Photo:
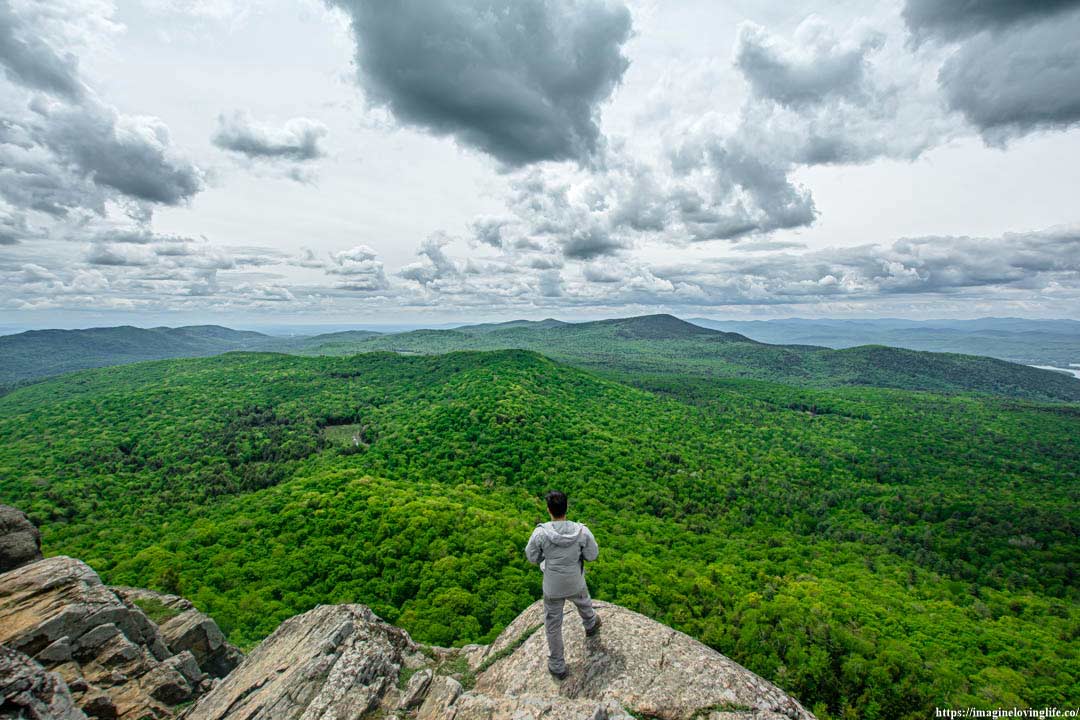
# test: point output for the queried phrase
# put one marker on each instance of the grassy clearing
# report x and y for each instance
(156, 610)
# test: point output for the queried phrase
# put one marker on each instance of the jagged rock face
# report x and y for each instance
(335, 662)
(20, 542)
(27, 690)
(190, 630)
(341, 661)
(110, 654)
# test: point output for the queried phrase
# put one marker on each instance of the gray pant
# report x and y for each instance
(553, 616)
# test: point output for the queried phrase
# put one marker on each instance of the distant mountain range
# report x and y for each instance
(1031, 342)
(644, 347)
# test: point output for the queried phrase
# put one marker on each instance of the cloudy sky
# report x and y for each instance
(253, 162)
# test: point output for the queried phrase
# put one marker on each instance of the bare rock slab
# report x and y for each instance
(335, 662)
(643, 665)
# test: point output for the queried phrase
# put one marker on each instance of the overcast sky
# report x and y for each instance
(251, 162)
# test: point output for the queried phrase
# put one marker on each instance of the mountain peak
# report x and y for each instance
(655, 327)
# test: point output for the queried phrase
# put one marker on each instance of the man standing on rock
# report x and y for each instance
(561, 547)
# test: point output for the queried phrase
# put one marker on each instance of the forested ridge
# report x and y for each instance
(875, 552)
(664, 344)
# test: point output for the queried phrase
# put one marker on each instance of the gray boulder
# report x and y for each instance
(27, 690)
(107, 650)
(20, 541)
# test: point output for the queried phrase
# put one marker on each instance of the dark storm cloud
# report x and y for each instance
(61, 147)
(298, 140)
(589, 243)
(1017, 81)
(521, 80)
(1017, 67)
(80, 156)
(65, 157)
(32, 178)
(951, 19)
(30, 61)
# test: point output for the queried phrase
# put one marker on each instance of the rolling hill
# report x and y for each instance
(878, 552)
(41, 353)
(665, 345)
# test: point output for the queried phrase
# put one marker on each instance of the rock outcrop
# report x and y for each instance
(20, 542)
(341, 661)
(188, 629)
(108, 652)
(336, 661)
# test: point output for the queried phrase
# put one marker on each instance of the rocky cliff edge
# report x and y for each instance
(72, 647)
(341, 662)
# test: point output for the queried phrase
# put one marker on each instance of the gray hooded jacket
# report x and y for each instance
(562, 547)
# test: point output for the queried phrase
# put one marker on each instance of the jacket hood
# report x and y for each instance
(562, 532)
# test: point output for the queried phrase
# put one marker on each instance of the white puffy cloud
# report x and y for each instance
(815, 66)
(360, 269)
(62, 148)
(436, 266)
(298, 140)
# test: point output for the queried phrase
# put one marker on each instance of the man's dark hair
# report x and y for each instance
(556, 502)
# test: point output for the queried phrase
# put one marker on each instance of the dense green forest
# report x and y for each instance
(875, 552)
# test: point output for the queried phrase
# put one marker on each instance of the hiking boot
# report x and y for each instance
(595, 628)
(559, 675)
